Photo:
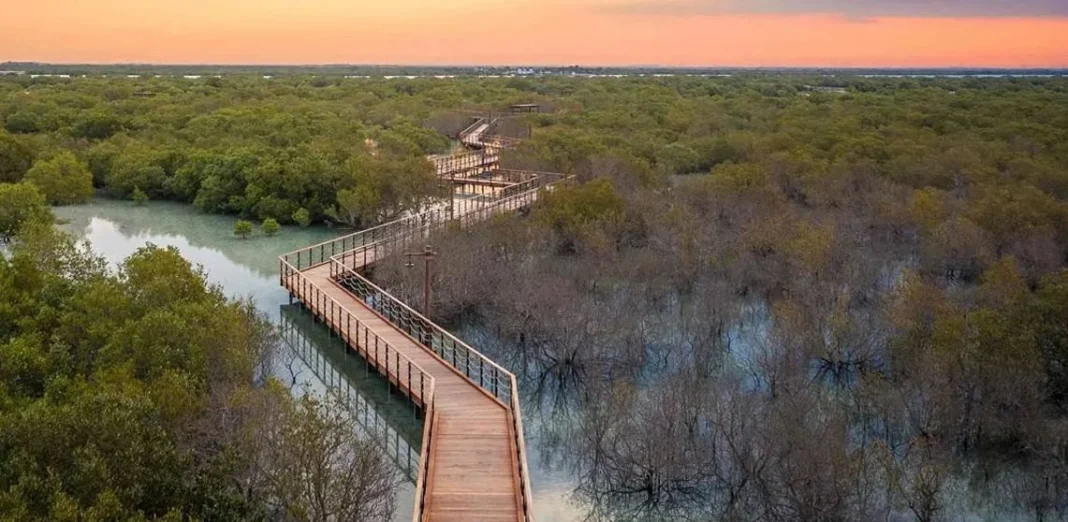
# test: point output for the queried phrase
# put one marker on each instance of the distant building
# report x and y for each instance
(526, 107)
(12, 73)
(829, 90)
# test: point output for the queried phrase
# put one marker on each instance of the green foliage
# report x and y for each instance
(270, 227)
(21, 203)
(15, 158)
(21, 123)
(139, 197)
(98, 392)
(569, 208)
(564, 150)
(382, 189)
(137, 395)
(302, 217)
(101, 157)
(64, 180)
(134, 168)
(406, 138)
(242, 229)
(676, 157)
(899, 246)
(1048, 316)
(96, 125)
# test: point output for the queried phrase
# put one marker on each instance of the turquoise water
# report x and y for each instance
(242, 267)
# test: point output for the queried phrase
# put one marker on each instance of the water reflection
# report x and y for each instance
(389, 421)
(243, 268)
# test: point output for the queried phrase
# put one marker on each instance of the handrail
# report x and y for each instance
(498, 382)
(521, 448)
(478, 121)
(348, 242)
(363, 238)
(464, 161)
(341, 318)
(472, 135)
(426, 398)
(471, 363)
(423, 224)
(476, 367)
(503, 142)
(368, 416)
(430, 417)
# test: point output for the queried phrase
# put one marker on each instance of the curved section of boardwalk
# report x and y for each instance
(473, 457)
(472, 470)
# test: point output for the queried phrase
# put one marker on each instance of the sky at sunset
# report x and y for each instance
(837, 33)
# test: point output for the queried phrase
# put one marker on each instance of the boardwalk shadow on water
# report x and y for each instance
(389, 419)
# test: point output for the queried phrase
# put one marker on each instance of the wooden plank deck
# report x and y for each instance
(473, 463)
(473, 472)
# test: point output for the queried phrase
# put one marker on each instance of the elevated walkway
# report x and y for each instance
(473, 458)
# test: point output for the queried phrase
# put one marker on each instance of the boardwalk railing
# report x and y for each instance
(315, 255)
(363, 410)
(500, 142)
(468, 210)
(422, 487)
(471, 128)
(489, 376)
(464, 163)
(348, 253)
(479, 369)
(377, 352)
(406, 375)
(382, 241)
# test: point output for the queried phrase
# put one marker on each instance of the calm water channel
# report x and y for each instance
(249, 269)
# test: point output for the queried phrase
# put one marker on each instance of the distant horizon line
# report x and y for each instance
(546, 66)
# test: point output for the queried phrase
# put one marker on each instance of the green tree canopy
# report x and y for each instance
(15, 158)
(301, 217)
(21, 203)
(138, 394)
(97, 125)
(270, 227)
(64, 180)
(242, 229)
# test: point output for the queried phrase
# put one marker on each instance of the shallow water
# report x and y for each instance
(242, 267)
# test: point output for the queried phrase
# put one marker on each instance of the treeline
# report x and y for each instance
(762, 301)
(144, 394)
(268, 148)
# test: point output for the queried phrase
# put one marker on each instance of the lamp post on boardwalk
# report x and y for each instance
(428, 255)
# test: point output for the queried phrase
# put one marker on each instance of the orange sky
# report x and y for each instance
(587, 32)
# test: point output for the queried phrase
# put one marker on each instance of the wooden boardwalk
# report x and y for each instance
(473, 457)
(473, 464)
(473, 471)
